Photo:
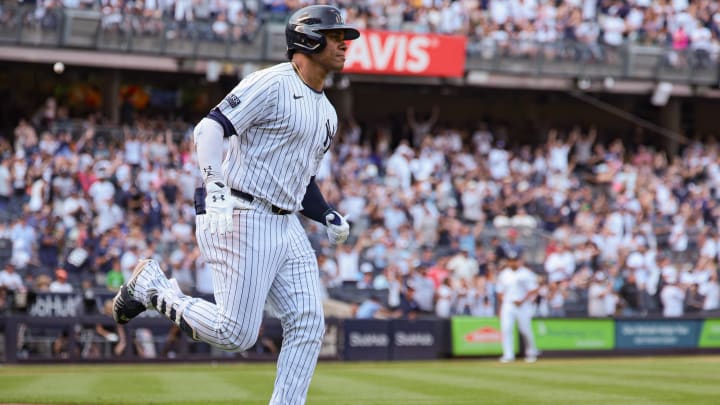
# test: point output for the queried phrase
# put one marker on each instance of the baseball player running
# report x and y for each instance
(516, 288)
(280, 125)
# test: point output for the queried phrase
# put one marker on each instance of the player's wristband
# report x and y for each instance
(335, 221)
(200, 194)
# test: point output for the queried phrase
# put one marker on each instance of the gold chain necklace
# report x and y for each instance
(297, 70)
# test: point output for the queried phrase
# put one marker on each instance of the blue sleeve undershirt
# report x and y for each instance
(314, 205)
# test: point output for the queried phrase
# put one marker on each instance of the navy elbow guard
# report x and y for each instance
(227, 126)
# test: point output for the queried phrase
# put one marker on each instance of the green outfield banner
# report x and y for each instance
(710, 335)
(574, 334)
(472, 336)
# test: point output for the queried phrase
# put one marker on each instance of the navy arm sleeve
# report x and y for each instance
(314, 205)
(219, 117)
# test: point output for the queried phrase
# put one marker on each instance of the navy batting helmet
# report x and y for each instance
(303, 31)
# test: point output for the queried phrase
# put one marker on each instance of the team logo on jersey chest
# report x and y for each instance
(233, 100)
(329, 135)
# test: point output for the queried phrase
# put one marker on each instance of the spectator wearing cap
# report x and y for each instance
(61, 285)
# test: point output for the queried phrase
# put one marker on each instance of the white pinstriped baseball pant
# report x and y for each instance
(268, 257)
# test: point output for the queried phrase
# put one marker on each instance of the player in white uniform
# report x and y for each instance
(517, 286)
(280, 125)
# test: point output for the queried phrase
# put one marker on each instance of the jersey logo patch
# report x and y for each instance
(233, 100)
(297, 97)
(329, 135)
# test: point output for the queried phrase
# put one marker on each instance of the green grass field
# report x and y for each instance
(631, 381)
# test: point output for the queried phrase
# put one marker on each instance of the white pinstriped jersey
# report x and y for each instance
(284, 128)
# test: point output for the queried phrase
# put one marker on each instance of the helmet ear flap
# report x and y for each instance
(302, 38)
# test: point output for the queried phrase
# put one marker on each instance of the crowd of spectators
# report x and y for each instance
(581, 28)
(611, 228)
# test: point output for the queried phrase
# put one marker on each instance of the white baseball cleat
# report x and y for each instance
(506, 360)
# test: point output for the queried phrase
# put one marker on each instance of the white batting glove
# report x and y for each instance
(219, 206)
(338, 228)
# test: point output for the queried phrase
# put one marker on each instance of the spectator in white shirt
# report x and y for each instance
(708, 246)
(61, 285)
(558, 150)
(711, 291)
(5, 183)
(678, 235)
(10, 279)
(463, 266)
(560, 264)
(398, 173)
(102, 190)
(673, 298)
(348, 262)
(597, 294)
(499, 162)
(667, 268)
(444, 299)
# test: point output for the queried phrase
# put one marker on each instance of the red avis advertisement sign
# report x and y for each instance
(406, 54)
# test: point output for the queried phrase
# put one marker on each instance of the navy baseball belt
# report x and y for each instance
(250, 198)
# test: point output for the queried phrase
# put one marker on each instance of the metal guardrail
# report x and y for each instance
(571, 59)
(93, 30)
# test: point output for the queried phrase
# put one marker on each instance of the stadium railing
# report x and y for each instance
(25, 26)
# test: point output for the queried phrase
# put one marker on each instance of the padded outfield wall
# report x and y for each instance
(33, 335)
